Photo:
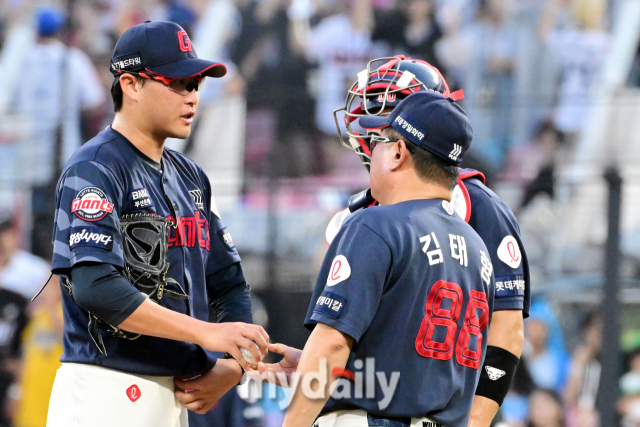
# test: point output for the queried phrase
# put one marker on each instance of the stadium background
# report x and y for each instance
(551, 87)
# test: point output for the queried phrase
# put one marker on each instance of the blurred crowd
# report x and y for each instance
(267, 138)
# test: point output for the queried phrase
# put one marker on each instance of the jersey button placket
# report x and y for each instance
(168, 193)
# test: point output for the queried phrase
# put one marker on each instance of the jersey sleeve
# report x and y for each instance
(351, 281)
(87, 220)
(492, 219)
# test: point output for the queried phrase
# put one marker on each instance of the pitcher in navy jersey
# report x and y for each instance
(107, 379)
(406, 288)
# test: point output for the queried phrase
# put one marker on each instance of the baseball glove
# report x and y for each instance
(145, 243)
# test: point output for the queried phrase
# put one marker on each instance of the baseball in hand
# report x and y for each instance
(249, 357)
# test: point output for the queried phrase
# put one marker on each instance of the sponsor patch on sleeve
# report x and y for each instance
(91, 204)
(226, 238)
(330, 304)
(91, 236)
(509, 286)
(509, 252)
(339, 272)
(140, 199)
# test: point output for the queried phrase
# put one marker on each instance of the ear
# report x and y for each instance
(399, 155)
(131, 87)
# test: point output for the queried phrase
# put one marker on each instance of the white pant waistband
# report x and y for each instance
(359, 418)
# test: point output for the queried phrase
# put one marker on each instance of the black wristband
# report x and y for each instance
(497, 373)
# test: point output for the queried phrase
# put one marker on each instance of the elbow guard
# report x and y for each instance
(497, 374)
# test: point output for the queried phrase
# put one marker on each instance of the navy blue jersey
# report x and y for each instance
(412, 283)
(492, 219)
(105, 179)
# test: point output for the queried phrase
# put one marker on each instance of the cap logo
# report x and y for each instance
(457, 150)
(185, 43)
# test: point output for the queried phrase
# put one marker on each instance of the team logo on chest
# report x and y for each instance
(91, 204)
(196, 195)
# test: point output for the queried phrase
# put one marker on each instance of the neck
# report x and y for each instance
(149, 144)
(413, 188)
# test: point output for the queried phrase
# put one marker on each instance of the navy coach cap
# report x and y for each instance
(163, 48)
(431, 121)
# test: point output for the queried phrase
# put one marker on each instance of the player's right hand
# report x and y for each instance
(231, 337)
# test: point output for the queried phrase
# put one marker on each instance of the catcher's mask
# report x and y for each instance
(380, 88)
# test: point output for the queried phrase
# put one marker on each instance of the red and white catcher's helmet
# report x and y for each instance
(380, 88)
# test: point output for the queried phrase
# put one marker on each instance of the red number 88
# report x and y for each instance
(438, 316)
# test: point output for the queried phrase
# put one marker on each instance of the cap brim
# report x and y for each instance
(190, 67)
(373, 122)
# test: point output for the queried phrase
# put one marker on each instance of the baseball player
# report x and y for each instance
(406, 288)
(141, 252)
(379, 89)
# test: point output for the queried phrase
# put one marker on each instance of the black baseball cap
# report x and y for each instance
(430, 120)
(162, 48)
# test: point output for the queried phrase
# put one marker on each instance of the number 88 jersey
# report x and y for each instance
(413, 285)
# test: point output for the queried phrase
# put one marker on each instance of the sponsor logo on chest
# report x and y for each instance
(140, 199)
(196, 195)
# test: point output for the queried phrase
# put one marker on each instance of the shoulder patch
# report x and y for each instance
(330, 304)
(91, 204)
(509, 252)
(339, 272)
(90, 236)
(226, 238)
(510, 286)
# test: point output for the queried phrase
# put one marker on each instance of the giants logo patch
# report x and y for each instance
(91, 204)
(340, 270)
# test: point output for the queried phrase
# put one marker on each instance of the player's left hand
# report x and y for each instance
(287, 366)
(201, 393)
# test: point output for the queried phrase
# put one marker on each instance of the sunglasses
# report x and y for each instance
(375, 139)
(179, 86)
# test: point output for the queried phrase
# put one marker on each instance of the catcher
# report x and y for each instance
(141, 252)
